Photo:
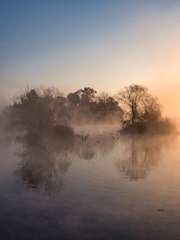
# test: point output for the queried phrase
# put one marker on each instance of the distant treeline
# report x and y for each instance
(42, 107)
(47, 110)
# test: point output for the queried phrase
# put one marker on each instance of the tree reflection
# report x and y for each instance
(140, 157)
(41, 166)
(43, 162)
(101, 143)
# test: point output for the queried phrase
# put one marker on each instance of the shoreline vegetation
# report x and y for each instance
(161, 127)
(46, 112)
(143, 113)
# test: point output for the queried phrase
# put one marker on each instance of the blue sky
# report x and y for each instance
(104, 44)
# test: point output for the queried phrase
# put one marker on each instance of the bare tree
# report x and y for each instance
(150, 108)
(103, 97)
(131, 97)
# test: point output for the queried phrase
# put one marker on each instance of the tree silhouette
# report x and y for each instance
(106, 103)
(39, 108)
(87, 95)
(131, 97)
(74, 98)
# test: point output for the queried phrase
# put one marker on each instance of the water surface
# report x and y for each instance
(99, 185)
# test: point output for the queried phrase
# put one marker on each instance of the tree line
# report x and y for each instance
(48, 109)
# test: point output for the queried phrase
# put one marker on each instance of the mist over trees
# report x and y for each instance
(87, 106)
(82, 96)
(40, 108)
(143, 112)
(47, 110)
(107, 103)
(141, 106)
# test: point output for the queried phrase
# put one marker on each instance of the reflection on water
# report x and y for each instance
(87, 149)
(140, 157)
(43, 162)
(41, 168)
(83, 189)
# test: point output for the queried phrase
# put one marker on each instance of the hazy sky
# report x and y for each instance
(103, 44)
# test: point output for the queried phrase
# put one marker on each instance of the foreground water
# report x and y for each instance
(99, 186)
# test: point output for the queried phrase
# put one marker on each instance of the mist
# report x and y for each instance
(77, 162)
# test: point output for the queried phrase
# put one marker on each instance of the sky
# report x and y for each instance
(103, 44)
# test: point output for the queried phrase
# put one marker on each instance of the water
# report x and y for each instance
(104, 186)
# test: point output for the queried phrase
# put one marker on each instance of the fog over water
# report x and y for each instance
(89, 120)
(99, 185)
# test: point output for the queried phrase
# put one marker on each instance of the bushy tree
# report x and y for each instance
(39, 108)
(106, 103)
(82, 96)
(86, 95)
(74, 98)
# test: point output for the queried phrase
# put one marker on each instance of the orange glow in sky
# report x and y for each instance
(106, 46)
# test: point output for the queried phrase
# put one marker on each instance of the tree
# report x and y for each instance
(86, 95)
(103, 97)
(112, 105)
(39, 108)
(102, 100)
(150, 108)
(82, 96)
(140, 105)
(74, 98)
(106, 102)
